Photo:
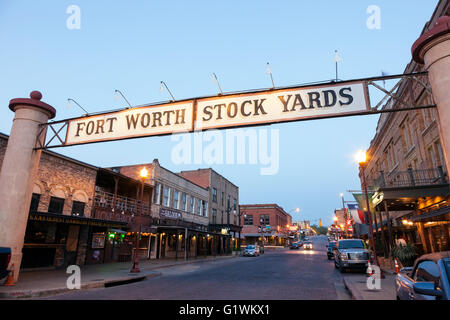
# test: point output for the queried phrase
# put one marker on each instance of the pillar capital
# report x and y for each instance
(33, 101)
(421, 46)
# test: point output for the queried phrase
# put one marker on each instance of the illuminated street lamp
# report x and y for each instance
(361, 158)
(143, 174)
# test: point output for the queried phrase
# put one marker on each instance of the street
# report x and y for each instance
(284, 274)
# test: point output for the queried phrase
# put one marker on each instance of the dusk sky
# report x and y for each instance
(133, 45)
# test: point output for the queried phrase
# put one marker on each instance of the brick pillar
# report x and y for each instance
(19, 171)
(433, 50)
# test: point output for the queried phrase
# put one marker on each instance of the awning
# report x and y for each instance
(60, 218)
(432, 214)
(117, 231)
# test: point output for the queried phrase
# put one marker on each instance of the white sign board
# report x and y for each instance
(130, 123)
(280, 106)
(245, 109)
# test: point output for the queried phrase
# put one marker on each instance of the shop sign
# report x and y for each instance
(170, 214)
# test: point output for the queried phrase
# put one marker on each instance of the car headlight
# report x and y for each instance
(343, 256)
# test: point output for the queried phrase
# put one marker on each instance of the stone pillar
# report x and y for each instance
(433, 50)
(19, 170)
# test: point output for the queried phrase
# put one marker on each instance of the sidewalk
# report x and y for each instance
(357, 285)
(41, 283)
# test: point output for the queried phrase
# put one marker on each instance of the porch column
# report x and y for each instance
(423, 237)
(19, 171)
(433, 50)
(388, 218)
(385, 247)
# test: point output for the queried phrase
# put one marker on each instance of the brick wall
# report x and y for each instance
(62, 177)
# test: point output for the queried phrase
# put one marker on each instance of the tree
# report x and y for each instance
(319, 230)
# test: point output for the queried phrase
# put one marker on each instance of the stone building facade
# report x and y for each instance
(180, 214)
(406, 168)
(224, 216)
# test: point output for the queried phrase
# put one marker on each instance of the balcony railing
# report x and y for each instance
(121, 204)
(410, 178)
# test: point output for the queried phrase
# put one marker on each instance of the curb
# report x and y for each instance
(93, 285)
(100, 284)
(353, 291)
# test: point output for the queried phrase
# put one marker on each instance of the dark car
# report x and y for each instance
(428, 279)
(5, 257)
(294, 245)
(330, 247)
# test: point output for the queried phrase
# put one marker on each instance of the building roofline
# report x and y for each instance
(58, 155)
(211, 169)
(151, 164)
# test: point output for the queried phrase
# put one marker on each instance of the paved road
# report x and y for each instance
(288, 274)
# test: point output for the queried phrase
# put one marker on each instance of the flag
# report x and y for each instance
(356, 213)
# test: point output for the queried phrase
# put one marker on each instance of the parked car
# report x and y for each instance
(252, 250)
(330, 247)
(294, 245)
(308, 245)
(351, 254)
(5, 257)
(428, 279)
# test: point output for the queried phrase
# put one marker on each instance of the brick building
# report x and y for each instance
(269, 220)
(62, 228)
(223, 205)
(406, 169)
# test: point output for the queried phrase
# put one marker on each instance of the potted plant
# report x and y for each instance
(405, 254)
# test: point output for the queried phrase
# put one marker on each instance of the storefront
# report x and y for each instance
(54, 240)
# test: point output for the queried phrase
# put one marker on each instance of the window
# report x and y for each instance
(214, 216)
(439, 153)
(78, 208)
(248, 219)
(157, 195)
(56, 205)
(35, 202)
(166, 196)
(199, 207)
(235, 205)
(264, 219)
(432, 156)
(184, 201)
(223, 197)
(176, 199)
(204, 208)
(191, 205)
(214, 195)
(427, 271)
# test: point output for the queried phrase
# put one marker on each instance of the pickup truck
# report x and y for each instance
(428, 279)
(351, 254)
(5, 257)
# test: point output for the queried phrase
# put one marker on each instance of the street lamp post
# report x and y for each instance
(362, 160)
(144, 175)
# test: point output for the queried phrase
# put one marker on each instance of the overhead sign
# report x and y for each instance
(226, 111)
(129, 123)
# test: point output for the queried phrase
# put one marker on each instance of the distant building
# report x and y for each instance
(268, 220)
